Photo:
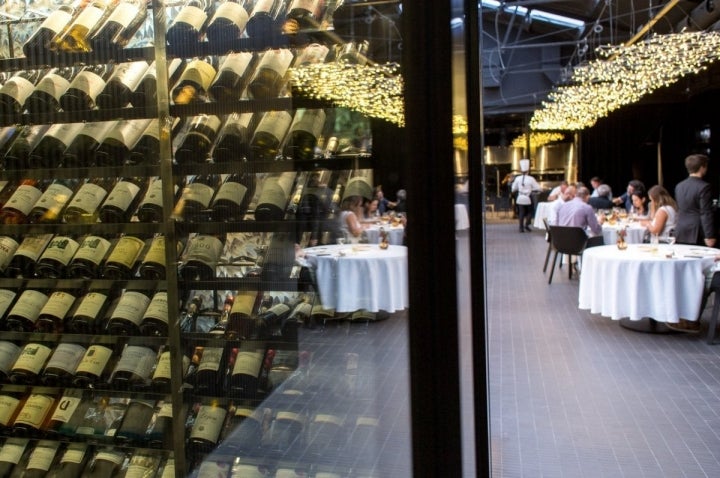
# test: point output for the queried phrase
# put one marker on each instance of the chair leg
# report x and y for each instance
(552, 268)
(547, 257)
(570, 266)
(713, 320)
(703, 304)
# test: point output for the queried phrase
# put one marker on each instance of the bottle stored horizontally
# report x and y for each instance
(162, 375)
(241, 313)
(119, 87)
(227, 23)
(89, 258)
(196, 197)
(95, 368)
(30, 421)
(303, 15)
(8, 246)
(153, 265)
(201, 257)
(105, 463)
(360, 183)
(129, 311)
(38, 44)
(189, 25)
(81, 152)
(151, 205)
(84, 206)
(88, 315)
(270, 74)
(269, 134)
(274, 196)
(154, 321)
(60, 368)
(75, 37)
(53, 262)
(45, 98)
(244, 429)
(206, 429)
(233, 197)
(146, 92)
(17, 89)
(9, 351)
(26, 255)
(134, 424)
(10, 404)
(134, 369)
(72, 462)
(48, 153)
(25, 312)
(234, 74)
(11, 454)
(118, 143)
(85, 87)
(199, 137)
(18, 155)
(195, 81)
(30, 363)
(244, 379)
(160, 434)
(121, 25)
(304, 132)
(123, 259)
(210, 374)
(62, 415)
(17, 208)
(233, 141)
(56, 311)
(266, 18)
(192, 309)
(123, 200)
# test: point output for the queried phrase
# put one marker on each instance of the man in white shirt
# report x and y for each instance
(524, 185)
(566, 196)
(558, 191)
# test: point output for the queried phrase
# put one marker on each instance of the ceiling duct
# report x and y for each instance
(701, 17)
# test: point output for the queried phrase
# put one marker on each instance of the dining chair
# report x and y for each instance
(712, 326)
(568, 240)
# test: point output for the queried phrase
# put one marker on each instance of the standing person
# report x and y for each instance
(524, 185)
(694, 199)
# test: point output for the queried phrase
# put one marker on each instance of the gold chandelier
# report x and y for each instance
(624, 74)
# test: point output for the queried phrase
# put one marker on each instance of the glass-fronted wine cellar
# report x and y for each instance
(199, 276)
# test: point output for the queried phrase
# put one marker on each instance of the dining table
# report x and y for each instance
(360, 276)
(644, 285)
(396, 233)
(635, 232)
(542, 211)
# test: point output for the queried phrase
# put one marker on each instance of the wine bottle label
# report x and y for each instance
(136, 360)
(205, 249)
(163, 368)
(90, 305)
(43, 455)
(8, 246)
(92, 249)
(207, 122)
(127, 132)
(244, 303)
(331, 419)
(303, 310)
(274, 123)
(289, 416)
(89, 197)
(278, 309)
(156, 253)
(75, 453)
(198, 192)
(24, 198)
(208, 423)
(263, 6)
(158, 308)
(6, 298)
(233, 12)
(8, 405)
(9, 353)
(244, 412)
(231, 191)
(89, 17)
(131, 73)
(311, 121)
(136, 470)
(88, 82)
(313, 53)
(65, 408)
(98, 130)
(94, 361)
(66, 357)
(211, 358)
(152, 129)
(53, 85)
(126, 252)
(124, 13)
(56, 21)
(18, 88)
(154, 194)
(169, 470)
(12, 450)
(35, 410)
(200, 73)
(236, 62)
(28, 306)
(131, 307)
(32, 246)
(312, 6)
(238, 121)
(54, 198)
(165, 410)
(58, 305)
(248, 363)
(61, 249)
(193, 16)
(122, 195)
(366, 422)
(276, 60)
(109, 455)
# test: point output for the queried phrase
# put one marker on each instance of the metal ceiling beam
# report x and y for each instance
(646, 28)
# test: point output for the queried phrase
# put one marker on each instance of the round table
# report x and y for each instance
(635, 233)
(360, 276)
(395, 234)
(542, 211)
(662, 282)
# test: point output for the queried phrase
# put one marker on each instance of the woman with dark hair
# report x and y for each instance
(639, 208)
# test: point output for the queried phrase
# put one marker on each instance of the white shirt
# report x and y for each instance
(524, 185)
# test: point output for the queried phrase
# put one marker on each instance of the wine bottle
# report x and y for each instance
(145, 94)
(196, 197)
(9, 352)
(154, 320)
(360, 183)
(126, 77)
(233, 197)
(195, 81)
(26, 310)
(87, 316)
(244, 377)
(85, 88)
(23, 261)
(265, 18)
(105, 464)
(221, 326)
(234, 73)
(160, 433)
(303, 135)
(269, 76)
(17, 208)
(134, 369)
(8, 246)
(7, 136)
(57, 309)
(241, 314)
(311, 54)
(153, 263)
(189, 25)
(168, 470)
(100, 414)
(128, 314)
(201, 257)
(84, 205)
(227, 23)
(10, 404)
(162, 374)
(269, 134)
(303, 15)
(54, 260)
(88, 259)
(75, 37)
(199, 137)
(271, 319)
(151, 206)
(72, 462)
(274, 196)
(17, 89)
(29, 363)
(123, 200)
(61, 418)
(134, 424)
(48, 153)
(95, 368)
(81, 152)
(30, 421)
(121, 25)
(61, 365)
(45, 98)
(205, 432)
(38, 44)
(244, 429)
(48, 207)
(191, 310)
(233, 141)
(118, 144)
(18, 156)
(210, 374)
(287, 431)
(123, 257)
(12, 453)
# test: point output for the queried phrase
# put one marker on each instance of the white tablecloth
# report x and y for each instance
(395, 234)
(542, 211)
(635, 233)
(366, 277)
(462, 221)
(642, 282)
